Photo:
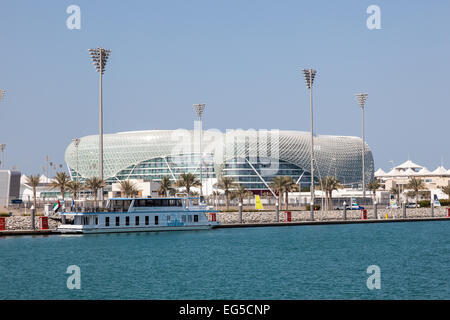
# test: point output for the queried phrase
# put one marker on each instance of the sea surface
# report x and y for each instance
(296, 262)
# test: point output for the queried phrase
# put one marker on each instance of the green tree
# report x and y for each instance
(187, 181)
(416, 184)
(165, 186)
(128, 188)
(60, 182)
(94, 184)
(226, 184)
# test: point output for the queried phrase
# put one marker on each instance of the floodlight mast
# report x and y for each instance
(99, 58)
(309, 75)
(361, 98)
(76, 142)
(2, 146)
(199, 108)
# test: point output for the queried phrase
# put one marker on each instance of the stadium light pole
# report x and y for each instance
(309, 75)
(76, 142)
(361, 98)
(2, 149)
(99, 58)
(199, 108)
(2, 146)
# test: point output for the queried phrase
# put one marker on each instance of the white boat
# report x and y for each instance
(140, 214)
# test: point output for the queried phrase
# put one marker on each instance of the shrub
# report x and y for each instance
(424, 203)
(4, 214)
(445, 202)
(316, 207)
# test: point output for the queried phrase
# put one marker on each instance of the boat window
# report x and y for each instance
(195, 217)
(127, 221)
(183, 218)
(156, 220)
(168, 218)
(189, 218)
(117, 221)
(96, 220)
(107, 221)
(137, 220)
(146, 220)
(175, 202)
(119, 205)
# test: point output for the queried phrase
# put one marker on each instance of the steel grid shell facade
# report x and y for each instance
(151, 154)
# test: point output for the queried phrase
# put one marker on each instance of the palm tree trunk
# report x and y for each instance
(227, 201)
(286, 200)
(417, 198)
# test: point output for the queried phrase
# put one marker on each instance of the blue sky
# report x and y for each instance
(241, 58)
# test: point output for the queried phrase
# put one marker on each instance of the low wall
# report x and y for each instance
(24, 223)
(265, 217)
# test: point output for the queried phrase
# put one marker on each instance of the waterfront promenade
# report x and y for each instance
(20, 225)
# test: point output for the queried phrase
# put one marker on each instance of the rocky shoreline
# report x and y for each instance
(23, 222)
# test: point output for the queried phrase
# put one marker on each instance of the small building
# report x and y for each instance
(9, 187)
(400, 175)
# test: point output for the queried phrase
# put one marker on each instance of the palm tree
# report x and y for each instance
(75, 187)
(446, 190)
(278, 184)
(239, 192)
(289, 186)
(373, 186)
(33, 182)
(396, 191)
(128, 188)
(329, 184)
(188, 180)
(416, 184)
(226, 184)
(94, 184)
(216, 195)
(60, 181)
(165, 186)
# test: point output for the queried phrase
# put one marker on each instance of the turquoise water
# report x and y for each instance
(297, 262)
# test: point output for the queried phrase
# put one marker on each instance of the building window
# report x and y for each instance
(107, 221)
(146, 220)
(127, 221)
(137, 220)
(156, 220)
(117, 221)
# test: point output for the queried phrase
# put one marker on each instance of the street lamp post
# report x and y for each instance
(199, 110)
(76, 142)
(309, 75)
(361, 98)
(99, 58)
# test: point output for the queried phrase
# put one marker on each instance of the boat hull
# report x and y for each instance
(73, 230)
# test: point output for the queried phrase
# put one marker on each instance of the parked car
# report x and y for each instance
(394, 206)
